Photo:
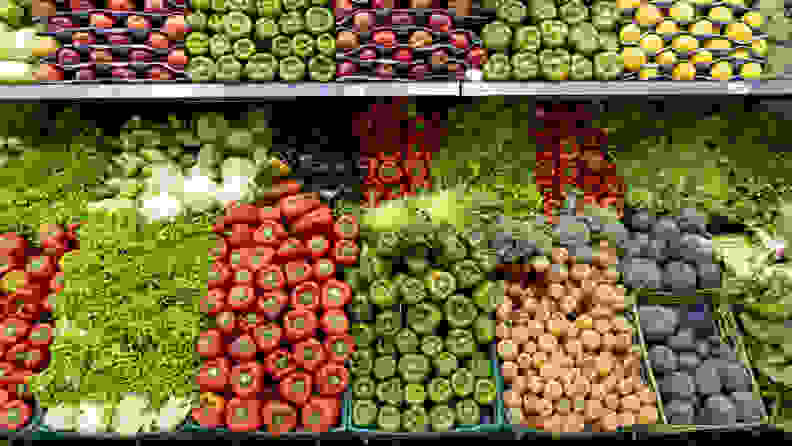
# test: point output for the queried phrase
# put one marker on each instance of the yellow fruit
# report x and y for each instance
(759, 46)
(628, 4)
(682, 11)
(717, 44)
(722, 71)
(702, 56)
(634, 58)
(630, 34)
(721, 14)
(753, 19)
(684, 71)
(666, 58)
(751, 70)
(652, 43)
(647, 73)
(741, 53)
(684, 44)
(648, 15)
(701, 27)
(667, 27)
(734, 2)
(739, 31)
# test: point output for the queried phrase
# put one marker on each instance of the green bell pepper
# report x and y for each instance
(467, 274)
(319, 20)
(388, 244)
(215, 23)
(322, 68)
(382, 293)
(320, 2)
(412, 290)
(414, 368)
(462, 381)
(282, 46)
(555, 64)
(468, 412)
(485, 391)
(484, 329)
(385, 346)
(390, 391)
(461, 343)
(244, 49)
(388, 324)
(489, 294)
(573, 12)
(440, 390)
(460, 311)
(363, 388)
(440, 285)
(269, 8)
(496, 35)
(479, 365)
(424, 318)
(498, 68)
(414, 419)
(361, 362)
(581, 68)
(445, 363)
(605, 15)
(363, 333)
(396, 283)
(608, 66)
(302, 45)
(512, 12)
(197, 44)
(197, 21)
(431, 345)
(417, 265)
(292, 69)
(415, 394)
(384, 367)
(360, 310)
(389, 419)
(609, 41)
(585, 38)
(527, 38)
(543, 10)
(246, 6)
(487, 259)
(291, 23)
(237, 25)
(219, 45)
(294, 5)
(218, 5)
(407, 341)
(326, 45)
(554, 33)
(364, 413)
(354, 278)
(201, 69)
(376, 267)
(200, 5)
(452, 248)
(266, 28)
(442, 418)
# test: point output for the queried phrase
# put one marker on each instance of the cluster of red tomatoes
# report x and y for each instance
(276, 355)
(30, 276)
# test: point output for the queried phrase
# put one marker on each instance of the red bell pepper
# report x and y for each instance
(299, 325)
(270, 278)
(226, 322)
(335, 322)
(213, 302)
(243, 415)
(316, 416)
(279, 417)
(318, 246)
(220, 250)
(296, 388)
(18, 385)
(14, 415)
(12, 244)
(32, 292)
(46, 304)
(272, 303)
(416, 169)
(396, 191)
(247, 379)
(267, 337)
(259, 257)
(332, 405)
(318, 220)
(370, 167)
(240, 235)
(211, 414)
(250, 320)
(210, 344)
(279, 364)
(58, 282)
(4, 396)
(41, 335)
(241, 298)
(241, 213)
(332, 379)
(309, 354)
(220, 227)
(389, 172)
(244, 278)
(345, 252)
(238, 259)
(346, 228)
(214, 375)
(323, 270)
(339, 348)
(421, 186)
(297, 272)
(13, 330)
(243, 348)
(388, 156)
(372, 197)
(27, 356)
(8, 263)
(7, 370)
(335, 294)
(269, 213)
(269, 233)
(220, 275)
(306, 296)
(291, 249)
(281, 189)
(295, 206)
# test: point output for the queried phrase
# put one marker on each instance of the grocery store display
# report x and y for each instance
(290, 41)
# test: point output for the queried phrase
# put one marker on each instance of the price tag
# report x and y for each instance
(738, 88)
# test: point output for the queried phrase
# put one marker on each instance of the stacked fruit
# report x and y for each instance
(279, 313)
(261, 41)
(693, 40)
(573, 40)
(29, 277)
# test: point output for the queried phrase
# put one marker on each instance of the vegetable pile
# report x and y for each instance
(290, 40)
(423, 321)
(275, 356)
